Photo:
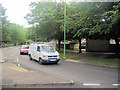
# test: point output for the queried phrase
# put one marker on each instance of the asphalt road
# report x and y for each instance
(83, 75)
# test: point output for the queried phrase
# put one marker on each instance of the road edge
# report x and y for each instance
(77, 61)
(70, 83)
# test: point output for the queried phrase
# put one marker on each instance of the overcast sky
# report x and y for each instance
(17, 10)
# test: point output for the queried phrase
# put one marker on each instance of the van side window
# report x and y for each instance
(38, 48)
(33, 47)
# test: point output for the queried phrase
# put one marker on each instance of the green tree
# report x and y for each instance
(18, 33)
(83, 16)
(40, 16)
(47, 18)
(84, 20)
(5, 23)
(108, 26)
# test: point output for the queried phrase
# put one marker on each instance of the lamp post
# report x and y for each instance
(64, 26)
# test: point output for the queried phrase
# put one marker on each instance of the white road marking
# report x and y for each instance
(116, 84)
(17, 59)
(91, 84)
(18, 64)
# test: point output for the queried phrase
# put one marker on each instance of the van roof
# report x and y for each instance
(42, 44)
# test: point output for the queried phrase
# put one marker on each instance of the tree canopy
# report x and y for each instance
(5, 23)
(11, 32)
(96, 20)
(84, 19)
(17, 33)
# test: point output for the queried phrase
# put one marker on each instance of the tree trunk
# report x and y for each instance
(80, 45)
(59, 42)
(117, 46)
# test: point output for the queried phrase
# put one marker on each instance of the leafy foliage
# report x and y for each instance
(47, 18)
(17, 33)
(90, 20)
(12, 32)
(5, 32)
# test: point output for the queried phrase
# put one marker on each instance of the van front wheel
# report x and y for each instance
(30, 57)
(40, 61)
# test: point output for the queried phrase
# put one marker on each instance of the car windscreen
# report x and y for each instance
(25, 47)
(48, 48)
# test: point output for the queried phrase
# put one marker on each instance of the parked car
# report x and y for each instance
(43, 53)
(24, 49)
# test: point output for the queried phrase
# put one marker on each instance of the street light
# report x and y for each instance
(64, 25)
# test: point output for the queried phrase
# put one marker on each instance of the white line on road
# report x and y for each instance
(116, 84)
(17, 59)
(17, 62)
(91, 84)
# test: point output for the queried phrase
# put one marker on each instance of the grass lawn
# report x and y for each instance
(109, 62)
(90, 57)
(70, 54)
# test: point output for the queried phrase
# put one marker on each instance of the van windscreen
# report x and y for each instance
(48, 48)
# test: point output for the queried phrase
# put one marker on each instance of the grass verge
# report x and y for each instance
(92, 58)
(109, 62)
(70, 54)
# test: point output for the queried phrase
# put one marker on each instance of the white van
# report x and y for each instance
(43, 53)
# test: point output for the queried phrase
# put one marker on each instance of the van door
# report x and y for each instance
(37, 54)
(34, 51)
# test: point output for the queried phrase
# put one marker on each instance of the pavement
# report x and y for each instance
(20, 77)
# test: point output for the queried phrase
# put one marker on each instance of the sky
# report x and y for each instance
(17, 10)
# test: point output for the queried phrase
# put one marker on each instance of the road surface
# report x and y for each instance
(83, 75)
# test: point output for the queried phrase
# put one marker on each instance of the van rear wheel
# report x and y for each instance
(40, 61)
(30, 57)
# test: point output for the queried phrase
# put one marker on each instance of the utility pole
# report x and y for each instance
(64, 26)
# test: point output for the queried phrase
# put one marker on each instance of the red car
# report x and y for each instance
(24, 49)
